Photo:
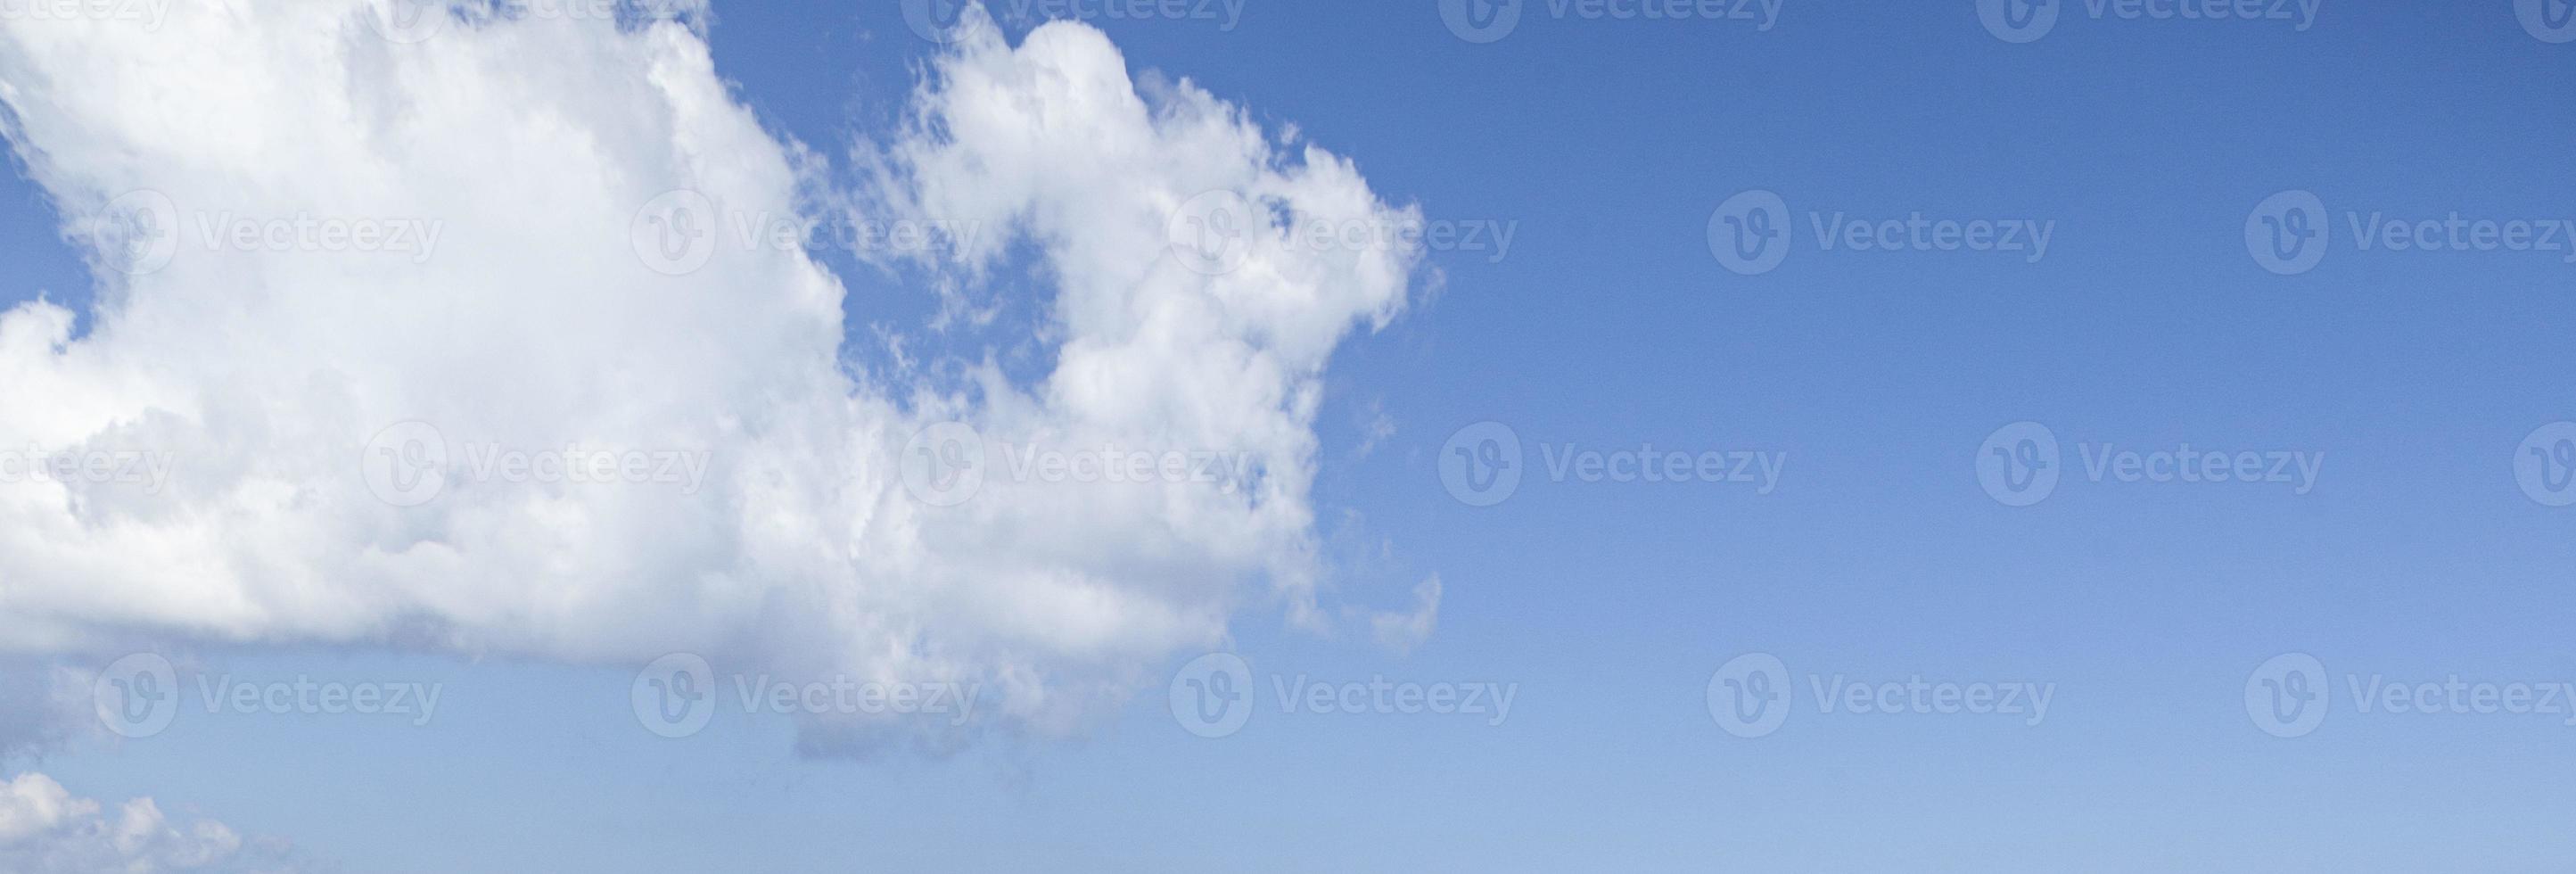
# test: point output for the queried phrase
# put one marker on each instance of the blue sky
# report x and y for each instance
(2411, 551)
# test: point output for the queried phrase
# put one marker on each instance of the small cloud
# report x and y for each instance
(1402, 632)
(44, 828)
(1375, 427)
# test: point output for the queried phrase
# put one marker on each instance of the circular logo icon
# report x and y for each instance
(2018, 21)
(675, 232)
(1749, 695)
(943, 465)
(2286, 233)
(2018, 464)
(1212, 695)
(136, 233)
(1481, 21)
(407, 21)
(1749, 233)
(1481, 464)
(2550, 21)
(406, 464)
(2288, 696)
(1212, 233)
(939, 21)
(674, 696)
(137, 695)
(2545, 465)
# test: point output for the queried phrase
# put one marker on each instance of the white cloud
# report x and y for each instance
(44, 828)
(539, 321)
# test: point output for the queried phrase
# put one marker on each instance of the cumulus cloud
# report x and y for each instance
(284, 428)
(44, 828)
